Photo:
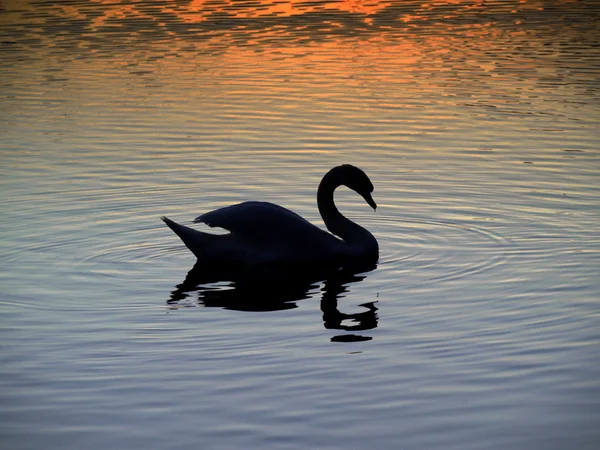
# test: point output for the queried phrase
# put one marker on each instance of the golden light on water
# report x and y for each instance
(298, 55)
(406, 32)
(229, 15)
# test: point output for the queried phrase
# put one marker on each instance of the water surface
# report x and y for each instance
(477, 123)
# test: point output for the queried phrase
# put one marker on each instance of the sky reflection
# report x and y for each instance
(84, 24)
(411, 45)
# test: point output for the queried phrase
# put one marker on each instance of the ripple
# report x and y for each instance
(438, 251)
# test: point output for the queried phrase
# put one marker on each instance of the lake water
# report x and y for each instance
(478, 123)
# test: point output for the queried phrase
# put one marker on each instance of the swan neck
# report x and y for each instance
(350, 232)
(329, 212)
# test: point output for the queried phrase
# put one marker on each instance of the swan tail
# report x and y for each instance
(198, 242)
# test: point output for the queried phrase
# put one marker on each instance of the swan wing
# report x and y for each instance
(260, 221)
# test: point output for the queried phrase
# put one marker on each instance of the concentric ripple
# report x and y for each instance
(430, 251)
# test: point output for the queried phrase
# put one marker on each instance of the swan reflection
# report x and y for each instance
(278, 288)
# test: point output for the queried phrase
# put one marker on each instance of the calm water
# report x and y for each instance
(478, 124)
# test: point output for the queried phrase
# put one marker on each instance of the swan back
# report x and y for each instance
(264, 231)
(253, 218)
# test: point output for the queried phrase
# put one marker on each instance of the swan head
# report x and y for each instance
(354, 178)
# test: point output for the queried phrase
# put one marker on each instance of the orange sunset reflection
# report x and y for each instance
(308, 48)
(270, 23)
(292, 27)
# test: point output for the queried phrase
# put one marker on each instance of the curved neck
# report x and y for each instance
(351, 233)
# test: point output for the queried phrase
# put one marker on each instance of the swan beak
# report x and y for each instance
(370, 201)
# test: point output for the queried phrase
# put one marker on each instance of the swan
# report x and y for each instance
(265, 233)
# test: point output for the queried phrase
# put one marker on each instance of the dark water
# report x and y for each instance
(477, 123)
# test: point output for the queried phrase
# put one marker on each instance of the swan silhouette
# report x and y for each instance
(262, 233)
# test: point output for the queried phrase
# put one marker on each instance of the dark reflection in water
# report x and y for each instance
(279, 288)
(333, 319)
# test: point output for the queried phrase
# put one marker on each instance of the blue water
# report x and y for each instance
(477, 123)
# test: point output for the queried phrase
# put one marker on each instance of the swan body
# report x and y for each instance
(265, 233)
